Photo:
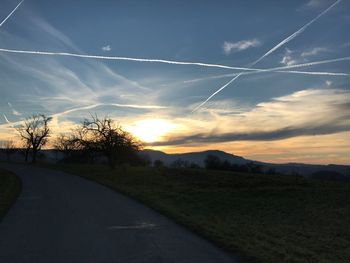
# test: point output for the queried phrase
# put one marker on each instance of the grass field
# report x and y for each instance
(263, 218)
(10, 187)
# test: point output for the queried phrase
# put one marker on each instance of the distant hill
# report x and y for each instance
(193, 157)
(287, 168)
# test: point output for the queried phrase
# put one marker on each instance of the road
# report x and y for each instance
(64, 218)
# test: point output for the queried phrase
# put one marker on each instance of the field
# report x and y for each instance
(259, 217)
(10, 187)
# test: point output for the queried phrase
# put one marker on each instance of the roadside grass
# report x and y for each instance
(10, 187)
(262, 218)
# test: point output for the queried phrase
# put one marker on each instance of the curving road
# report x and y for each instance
(63, 218)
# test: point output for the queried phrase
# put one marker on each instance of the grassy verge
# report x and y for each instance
(10, 187)
(264, 218)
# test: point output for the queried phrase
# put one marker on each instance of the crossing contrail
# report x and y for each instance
(286, 40)
(308, 64)
(3, 21)
(295, 34)
(320, 73)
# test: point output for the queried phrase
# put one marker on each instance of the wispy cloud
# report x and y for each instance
(314, 51)
(106, 48)
(316, 3)
(55, 86)
(89, 107)
(296, 114)
(14, 112)
(232, 47)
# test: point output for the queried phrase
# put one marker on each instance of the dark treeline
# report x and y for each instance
(213, 162)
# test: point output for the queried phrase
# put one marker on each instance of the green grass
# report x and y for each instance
(10, 187)
(260, 217)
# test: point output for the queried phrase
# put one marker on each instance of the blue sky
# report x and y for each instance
(235, 33)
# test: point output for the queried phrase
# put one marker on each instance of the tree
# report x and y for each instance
(68, 145)
(34, 133)
(104, 136)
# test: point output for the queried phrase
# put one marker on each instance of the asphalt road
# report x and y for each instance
(63, 218)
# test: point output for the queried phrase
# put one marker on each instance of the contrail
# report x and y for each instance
(6, 119)
(295, 34)
(321, 73)
(32, 52)
(134, 106)
(308, 64)
(108, 104)
(11, 13)
(286, 40)
(66, 54)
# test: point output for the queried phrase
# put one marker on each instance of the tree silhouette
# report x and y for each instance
(105, 136)
(98, 136)
(34, 134)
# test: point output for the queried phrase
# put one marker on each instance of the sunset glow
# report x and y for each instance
(151, 130)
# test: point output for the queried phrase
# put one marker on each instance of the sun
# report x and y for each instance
(151, 130)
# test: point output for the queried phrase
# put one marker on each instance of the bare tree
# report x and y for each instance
(74, 146)
(105, 136)
(66, 143)
(34, 134)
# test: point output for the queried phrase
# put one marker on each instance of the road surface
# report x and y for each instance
(64, 218)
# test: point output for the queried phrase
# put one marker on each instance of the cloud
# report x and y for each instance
(303, 113)
(231, 47)
(316, 3)
(287, 59)
(88, 107)
(314, 51)
(14, 112)
(106, 48)
(280, 134)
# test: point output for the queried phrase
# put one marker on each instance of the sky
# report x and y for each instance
(275, 116)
